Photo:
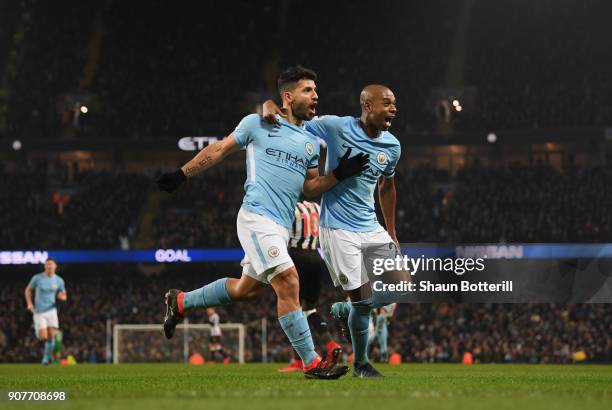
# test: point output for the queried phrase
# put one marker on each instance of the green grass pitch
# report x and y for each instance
(257, 386)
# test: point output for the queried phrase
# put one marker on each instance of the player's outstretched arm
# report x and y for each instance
(205, 159)
(315, 184)
(210, 156)
(387, 196)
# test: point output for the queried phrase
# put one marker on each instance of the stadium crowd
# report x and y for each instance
(525, 204)
(89, 210)
(504, 333)
(517, 203)
(200, 213)
(101, 209)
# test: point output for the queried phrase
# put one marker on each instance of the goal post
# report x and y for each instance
(139, 343)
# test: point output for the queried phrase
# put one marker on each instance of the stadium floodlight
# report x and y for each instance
(456, 103)
(458, 108)
(17, 145)
(491, 137)
(84, 109)
(142, 343)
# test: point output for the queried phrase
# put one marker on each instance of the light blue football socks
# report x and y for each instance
(296, 328)
(359, 325)
(48, 354)
(211, 295)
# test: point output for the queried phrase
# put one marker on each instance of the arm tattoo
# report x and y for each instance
(192, 170)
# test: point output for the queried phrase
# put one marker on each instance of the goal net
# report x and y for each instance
(141, 343)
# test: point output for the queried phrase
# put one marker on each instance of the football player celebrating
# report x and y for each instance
(281, 163)
(348, 217)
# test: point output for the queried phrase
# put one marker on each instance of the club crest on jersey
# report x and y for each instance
(394, 248)
(343, 279)
(273, 251)
(309, 148)
(381, 158)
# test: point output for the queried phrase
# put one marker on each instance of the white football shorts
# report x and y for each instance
(265, 244)
(46, 319)
(342, 252)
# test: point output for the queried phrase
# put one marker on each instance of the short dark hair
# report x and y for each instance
(289, 77)
(52, 260)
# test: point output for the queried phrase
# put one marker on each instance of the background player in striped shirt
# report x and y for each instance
(303, 245)
(49, 288)
(214, 344)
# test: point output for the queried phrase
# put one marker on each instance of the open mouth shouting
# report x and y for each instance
(312, 108)
(389, 120)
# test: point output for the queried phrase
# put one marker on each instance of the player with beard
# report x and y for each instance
(348, 217)
(281, 162)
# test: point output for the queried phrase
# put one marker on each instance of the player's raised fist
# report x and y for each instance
(170, 181)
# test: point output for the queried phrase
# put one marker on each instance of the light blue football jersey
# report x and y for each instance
(46, 291)
(277, 160)
(350, 204)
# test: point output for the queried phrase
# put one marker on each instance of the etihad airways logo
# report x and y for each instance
(287, 158)
(195, 143)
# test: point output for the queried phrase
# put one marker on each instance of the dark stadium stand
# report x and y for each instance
(98, 208)
(166, 81)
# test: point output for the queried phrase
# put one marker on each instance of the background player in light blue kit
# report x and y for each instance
(48, 288)
(383, 316)
(348, 217)
(281, 162)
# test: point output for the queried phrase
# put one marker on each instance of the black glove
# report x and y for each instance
(347, 167)
(171, 181)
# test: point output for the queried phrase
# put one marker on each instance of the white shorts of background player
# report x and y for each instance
(46, 320)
